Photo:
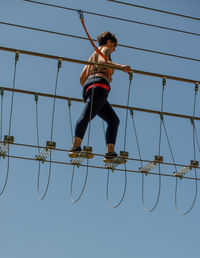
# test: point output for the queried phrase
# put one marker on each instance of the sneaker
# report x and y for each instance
(109, 156)
(74, 152)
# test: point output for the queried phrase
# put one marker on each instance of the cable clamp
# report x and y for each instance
(130, 76)
(192, 121)
(69, 102)
(161, 116)
(36, 97)
(196, 86)
(2, 91)
(16, 56)
(59, 62)
(164, 81)
(80, 13)
(131, 112)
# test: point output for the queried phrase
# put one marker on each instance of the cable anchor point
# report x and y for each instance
(16, 56)
(130, 76)
(80, 13)
(164, 81)
(59, 63)
(196, 87)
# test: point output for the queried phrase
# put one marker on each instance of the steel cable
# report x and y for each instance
(116, 18)
(195, 172)
(51, 137)
(125, 172)
(10, 121)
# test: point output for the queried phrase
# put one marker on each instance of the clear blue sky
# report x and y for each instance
(55, 227)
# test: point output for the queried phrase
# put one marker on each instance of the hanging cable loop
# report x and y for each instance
(193, 163)
(125, 172)
(8, 139)
(158, 159)
(50, 145)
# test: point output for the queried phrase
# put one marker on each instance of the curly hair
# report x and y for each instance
(104, 36)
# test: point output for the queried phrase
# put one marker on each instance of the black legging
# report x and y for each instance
(100, 107)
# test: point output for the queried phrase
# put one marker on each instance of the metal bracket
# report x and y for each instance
(43, 155)
(186, 169)
(146, 169)
(121, 159)
(4, 146)
(86, 153)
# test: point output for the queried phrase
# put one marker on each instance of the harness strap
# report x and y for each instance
(104, 86)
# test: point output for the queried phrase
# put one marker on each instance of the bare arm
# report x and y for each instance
(105, 51)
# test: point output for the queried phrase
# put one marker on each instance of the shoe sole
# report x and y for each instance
(74, 155)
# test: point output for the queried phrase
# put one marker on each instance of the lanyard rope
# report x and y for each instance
(109, 71)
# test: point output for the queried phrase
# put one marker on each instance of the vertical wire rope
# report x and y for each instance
(87, 169)
(125, 172)
(52, 127)
(1, 119)
(10, 122)
(195, 172)
(159, 151)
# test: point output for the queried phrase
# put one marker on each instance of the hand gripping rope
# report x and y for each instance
(50, 145)
(121, 159)
(86, 154)
(8, 139)
(193, 163)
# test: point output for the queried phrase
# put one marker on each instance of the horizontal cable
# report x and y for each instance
(25, 52)
(116, 18)
(84, 38)
(98, 155)
(155, 10)
(113, 105)
(98, 167)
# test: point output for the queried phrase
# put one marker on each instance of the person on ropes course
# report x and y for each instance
(96, 87)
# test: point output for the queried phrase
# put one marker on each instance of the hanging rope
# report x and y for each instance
(125, 173)
(194, 133)
(159, 150)
(51, 137)
(88, 141)
(1, 119)
(10, 121)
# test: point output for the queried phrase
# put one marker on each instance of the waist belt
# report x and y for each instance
(104, 86)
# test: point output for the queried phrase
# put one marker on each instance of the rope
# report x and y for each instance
(10, 122)
(159, 150)
(153, 9)
(125, 172)
(195, 172)
(1, 112)
(70, 118)
(84, 38)
(52, 127)
(88, 141)
(118, 18)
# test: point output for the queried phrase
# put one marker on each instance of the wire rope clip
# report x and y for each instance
(4, 146)
(44, 154)
(186, 169)
(80, 13)
(151, 165)
(79, 157)
(113, 163)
